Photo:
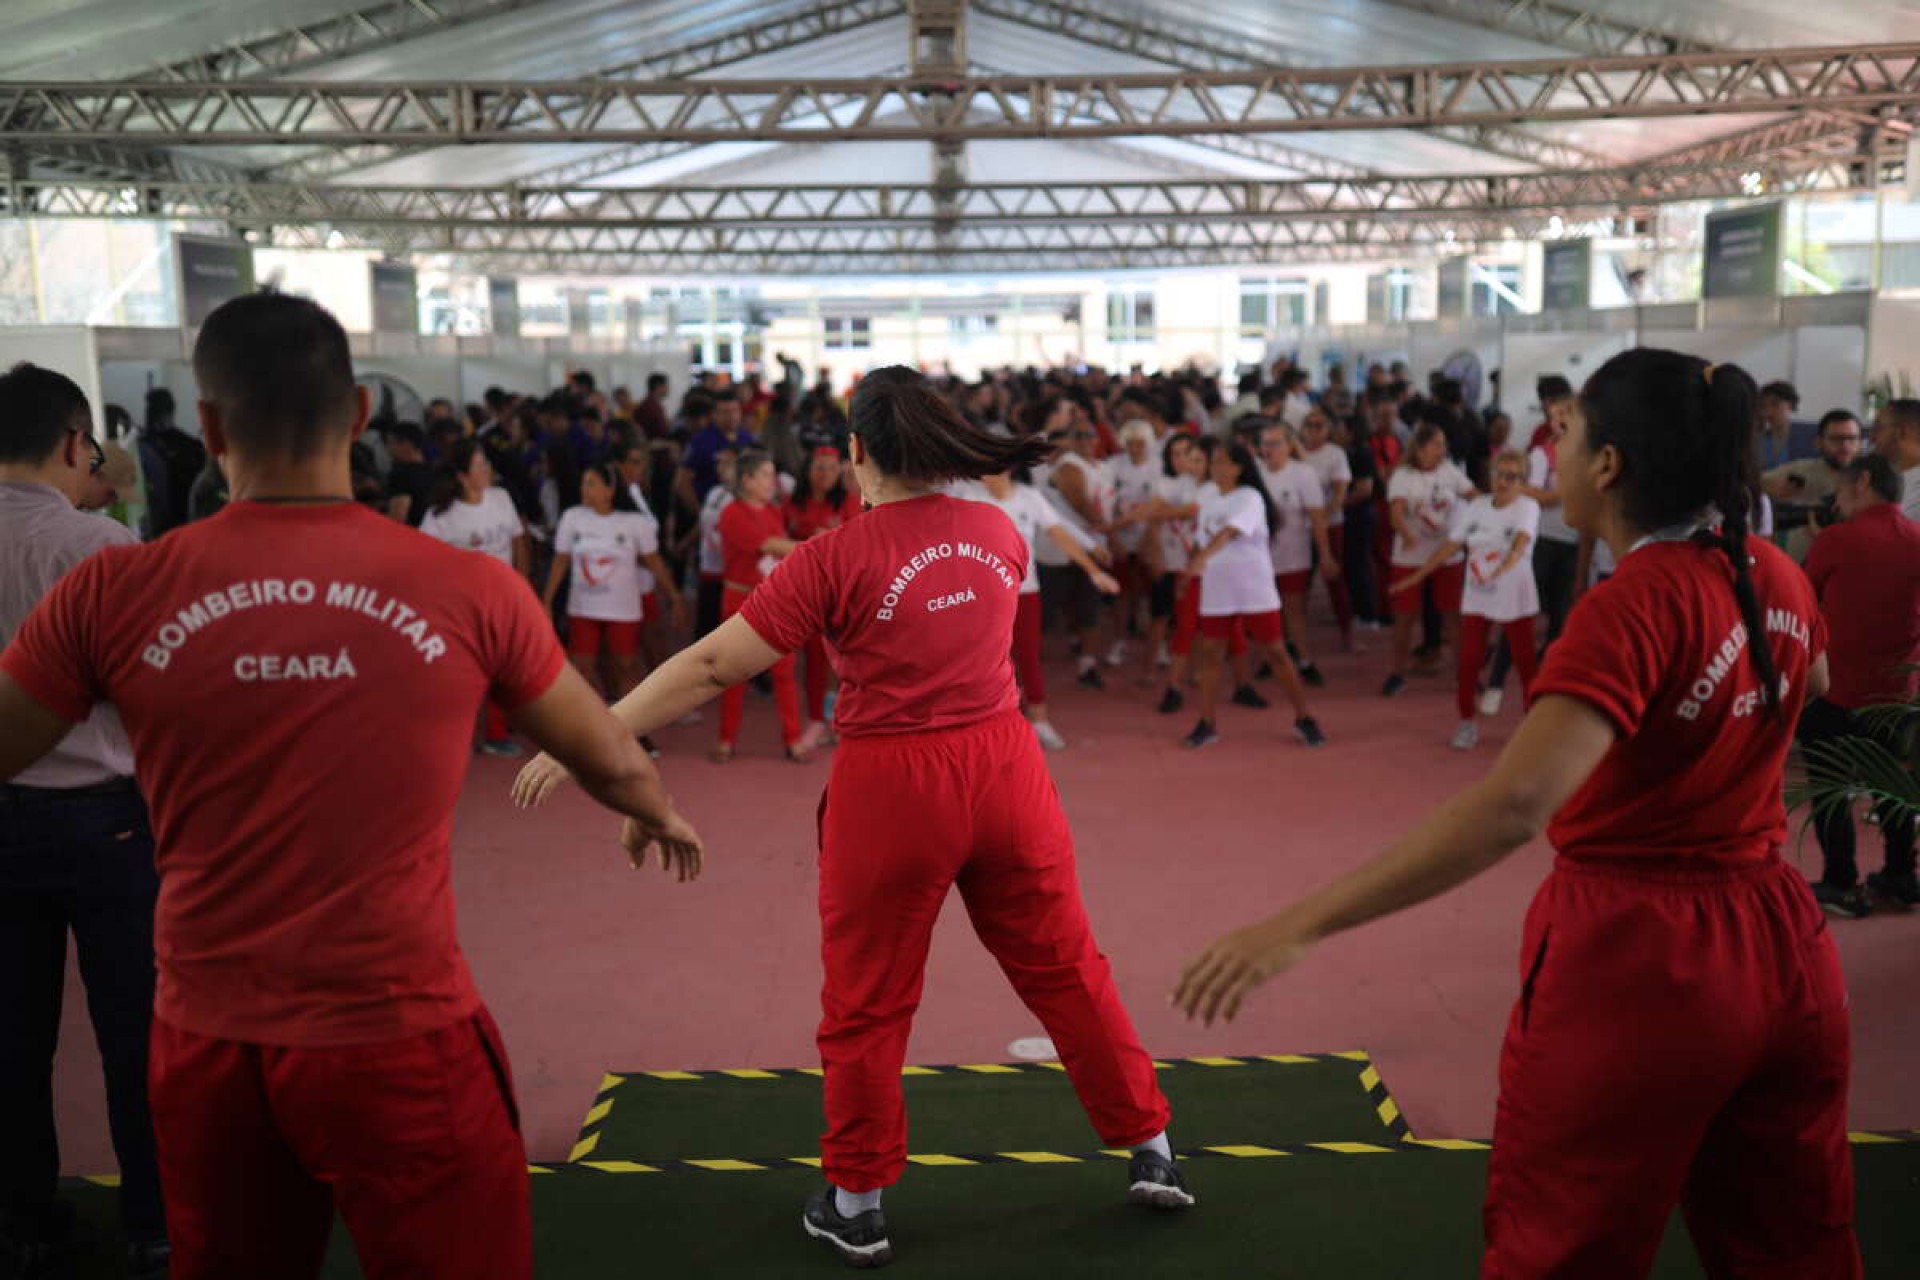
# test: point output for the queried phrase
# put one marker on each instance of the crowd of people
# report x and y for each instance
(885, 559)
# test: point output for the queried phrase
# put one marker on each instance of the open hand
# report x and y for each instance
(681, 852)
(1219, 979)
(1330, 569)
(1105, 583)
(539, 778)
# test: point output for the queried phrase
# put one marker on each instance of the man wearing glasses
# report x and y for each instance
(76, 855)
(1803, 490)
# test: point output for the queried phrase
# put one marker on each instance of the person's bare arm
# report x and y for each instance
(683, 488)
(1063, 538)
(1819, 678)
(777, 546)
(676, 603)
(1557, 747)
(1446, 552)
(522, 558)
(27, 729)
(562, 565)
(1072, 484)
(1515, 554)
(1329, 563)
(399, 507)
(1401, 530)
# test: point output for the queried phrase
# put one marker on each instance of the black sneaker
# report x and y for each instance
(1309, 730)
(1394, 687)
(1171, 701)
(1848, 904)
(1311, 674)
(1154, 1182)
(149, 1260)
(1903, 889)
(1203, 735)
(37, 1247)
(1090, 679)
(861, 1241)
(1248, 696)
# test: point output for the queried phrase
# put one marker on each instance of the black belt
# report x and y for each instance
(95, 790)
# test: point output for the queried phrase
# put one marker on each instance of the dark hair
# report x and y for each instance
(1166, 451)
(622, 499)
(1881, 477)
(160, 407)
(655, 380)
(912, 432)
(1423, 435)
(1552, 387)
(582, 378)
(118, 421)
(1034, 414)
(724, 395)
(1684, 432)
(1905, 414)
(1832, 416)
(747, 461)
(446, 483)
(278, 369)
(1781, 390)
(495, 398)
(1242, 457)
(803, 484)
(405, 433)
(37, 407)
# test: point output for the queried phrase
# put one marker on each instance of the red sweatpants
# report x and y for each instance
(416, 1142)
(1026, 650)
(1475, 632)
(819, 675)
(904, 819)
(1681, 1037)
(786, 696)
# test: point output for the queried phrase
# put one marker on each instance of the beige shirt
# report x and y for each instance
(42, 536)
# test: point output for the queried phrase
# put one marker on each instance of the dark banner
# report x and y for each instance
(396, 298)
(1454, 294)
(210, 272)
(503, 306)
(1743, 253)
(1566, 275)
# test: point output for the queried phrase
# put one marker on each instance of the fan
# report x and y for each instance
(393, 399)
(1464, 368)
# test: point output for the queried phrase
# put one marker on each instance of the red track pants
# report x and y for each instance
(1475, 632)
(416, 1142)
(786, 696)
(1026, 650)
(905, 818)
(1681, 1037)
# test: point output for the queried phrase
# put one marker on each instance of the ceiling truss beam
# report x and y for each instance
(1569, 26)
(310, 44)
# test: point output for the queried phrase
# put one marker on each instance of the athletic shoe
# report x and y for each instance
(1155, 1183)
(1311, 674)
(505, 748)
(1903, 889)
(1117, 654)
(861, 1241)
(1049, 736)
(1090, 679)
(1171, 701)
(1309, 730)
(1846, 904)
(646, 745)
(1490, 701)
(1163, 658)
(150, 1260)
(1203, 735)
(1467, 736)
(1394, 687)
(1248, 696)
(813, 737)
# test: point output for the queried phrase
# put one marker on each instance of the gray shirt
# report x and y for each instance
(42, 536)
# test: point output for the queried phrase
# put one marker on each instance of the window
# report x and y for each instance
(1130, 315)
(849, 333)
(965, 329)
(1268, 304)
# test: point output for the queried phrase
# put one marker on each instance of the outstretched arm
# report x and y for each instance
(1447, 551)
(1065, 540)
(27, 729)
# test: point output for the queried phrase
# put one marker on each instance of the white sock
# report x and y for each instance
(851, 1204)
(1088, 663)
(1157, 1144)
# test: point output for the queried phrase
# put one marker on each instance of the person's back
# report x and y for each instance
(1867, 572)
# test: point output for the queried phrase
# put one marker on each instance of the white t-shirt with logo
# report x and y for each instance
(1100, 492)
(1489, 533)
(1133, 484)
(1239, 577)
(606, 551)
(713, 557)
(1176, 536)
(488, 526)
(645, 513)
(1431, 497)
(1031, 514)
(1540, 475)
(1296, 492)
(1330, 463)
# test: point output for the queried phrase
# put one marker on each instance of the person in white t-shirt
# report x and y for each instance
(1082, 491)
(654, 587)
(1497, 536)
(711, 562)
(467, 511)
(1422, 495)
(1036, 519)
(1136, 472)
(1234, 562)
(599, 550)
(1331, 463)
(1299, 536)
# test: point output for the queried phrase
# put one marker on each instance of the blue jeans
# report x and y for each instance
(78, 862)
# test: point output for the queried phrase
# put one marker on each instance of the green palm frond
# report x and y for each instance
(1839, 771)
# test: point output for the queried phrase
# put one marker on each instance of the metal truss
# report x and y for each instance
(374, 26)
(1283, 100)
(1568, 26)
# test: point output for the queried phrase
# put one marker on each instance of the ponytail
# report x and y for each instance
(1732, 410)
(446, 479)
(1250, 477)
(915, 435)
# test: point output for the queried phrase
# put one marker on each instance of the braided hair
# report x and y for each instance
(1684, 429)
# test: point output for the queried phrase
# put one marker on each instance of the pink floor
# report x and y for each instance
(590, 966)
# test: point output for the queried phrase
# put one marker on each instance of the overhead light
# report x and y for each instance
(1753, 182)
(335, 240)
(1556, 226)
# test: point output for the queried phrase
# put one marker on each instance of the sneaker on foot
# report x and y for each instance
(1090, 679)
(861, 1241)
(1903, 889)
(1117, 654)
(1490, 701)
(505, 748)
(1248, 696)
(692, 717)
(1171, 701)
(1394, 687)
(646, 745)
(1309, 730)
(1849, 903)
(1311, 674)
(1154, 1182)
(1163, 658)
(1049, 736)
(1467, 736)
(1203, 735)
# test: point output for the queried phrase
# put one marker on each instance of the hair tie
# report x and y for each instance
(1707, 373)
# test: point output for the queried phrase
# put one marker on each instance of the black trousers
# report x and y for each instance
(1357, 551)
(1825, 721)
(75, 862)
(706, 605)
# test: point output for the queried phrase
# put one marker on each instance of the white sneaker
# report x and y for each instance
(1163, 658)
(1049, 736)
(1490, 701)
(692, 717)
(1117, 654)
(1467, 736)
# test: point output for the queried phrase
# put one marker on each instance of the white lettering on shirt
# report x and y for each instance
(200, 614)
(906, 573)
(953, 601)
(252, 667)
(1727, 657)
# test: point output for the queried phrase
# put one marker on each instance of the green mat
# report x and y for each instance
(973, 1111)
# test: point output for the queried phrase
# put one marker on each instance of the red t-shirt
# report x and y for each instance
(1659, 649)
(817, 515)
(1867, 574)
(744, 529)
(917, 599)
(300, 686)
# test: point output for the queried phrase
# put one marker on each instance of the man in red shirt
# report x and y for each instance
(318, 1043)
(1866, 571)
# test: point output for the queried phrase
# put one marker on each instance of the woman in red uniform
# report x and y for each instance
(753, 538)
(1681, 1034)
(938, 782)
(824, 499)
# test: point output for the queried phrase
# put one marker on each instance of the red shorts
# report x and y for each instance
(1261, 628)
(649, 609)
(588, 637)
(1294, 584)
(1448, 583)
